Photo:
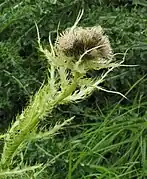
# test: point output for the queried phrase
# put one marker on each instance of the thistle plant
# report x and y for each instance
(76, 51)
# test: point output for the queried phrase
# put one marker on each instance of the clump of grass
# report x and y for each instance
(114, 146)
(67, 83)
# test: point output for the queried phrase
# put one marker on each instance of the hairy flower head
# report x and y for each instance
(89, 40)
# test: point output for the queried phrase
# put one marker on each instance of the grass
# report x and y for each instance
(114, 146)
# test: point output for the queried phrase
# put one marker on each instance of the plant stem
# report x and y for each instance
(69, 90)
(27, 122)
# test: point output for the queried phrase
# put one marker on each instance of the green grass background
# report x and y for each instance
(107, 138)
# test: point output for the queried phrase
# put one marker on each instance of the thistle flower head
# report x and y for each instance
(75, 42)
